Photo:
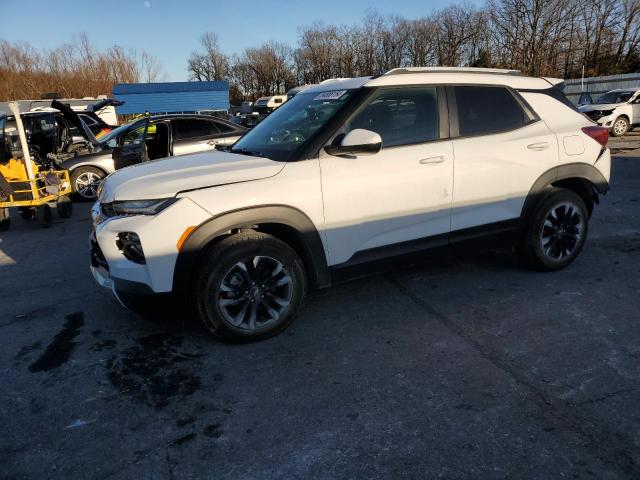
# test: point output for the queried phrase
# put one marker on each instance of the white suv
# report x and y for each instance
(348, 173)
(618, 110)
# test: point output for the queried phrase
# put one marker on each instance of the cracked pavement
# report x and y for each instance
(469, 367)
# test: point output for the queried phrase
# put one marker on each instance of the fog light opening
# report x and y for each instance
(129, 244)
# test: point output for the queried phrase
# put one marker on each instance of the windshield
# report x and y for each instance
(614, 97)
(283, 132)
(116, 132)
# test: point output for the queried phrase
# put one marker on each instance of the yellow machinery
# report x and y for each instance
(25, 186)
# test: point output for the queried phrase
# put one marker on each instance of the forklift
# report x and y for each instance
(30, 187)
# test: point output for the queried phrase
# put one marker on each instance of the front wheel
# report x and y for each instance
(64, 207)
(620, 127)
(85, 182)
(250, 287)
(556, 231)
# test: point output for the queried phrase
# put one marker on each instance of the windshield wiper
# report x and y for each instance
(244, 151)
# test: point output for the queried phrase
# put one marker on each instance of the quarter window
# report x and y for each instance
(485, 110)
(401, 116)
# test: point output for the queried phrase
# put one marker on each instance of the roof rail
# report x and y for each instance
(405, 70)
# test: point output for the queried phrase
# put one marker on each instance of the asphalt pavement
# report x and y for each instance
(471, 367)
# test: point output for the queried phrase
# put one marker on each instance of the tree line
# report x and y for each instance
(539, 37)
(556, 38)
(73, 70)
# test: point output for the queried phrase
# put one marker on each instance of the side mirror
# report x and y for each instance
(357, 142)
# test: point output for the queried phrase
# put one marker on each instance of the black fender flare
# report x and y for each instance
(308, 238)
(583, 171)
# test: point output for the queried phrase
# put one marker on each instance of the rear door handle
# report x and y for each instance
(432, 160)
(538, 147)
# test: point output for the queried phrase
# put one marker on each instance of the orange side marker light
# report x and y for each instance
(184, 236)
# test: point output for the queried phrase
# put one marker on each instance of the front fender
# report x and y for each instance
(307, 238)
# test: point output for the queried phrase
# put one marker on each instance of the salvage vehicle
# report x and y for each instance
(265, 105)
(147, 138)
(348, 174)
(54, 130)
(618, 110)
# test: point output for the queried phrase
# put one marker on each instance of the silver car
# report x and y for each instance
(146, 139)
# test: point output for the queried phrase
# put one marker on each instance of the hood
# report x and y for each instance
(105, 102)
(167, 177)
(77, 122)
(594, 107)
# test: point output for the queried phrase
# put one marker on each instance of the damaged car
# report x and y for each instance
(618, 110)
(141, 140)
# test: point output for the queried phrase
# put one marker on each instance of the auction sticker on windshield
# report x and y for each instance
(333, 95)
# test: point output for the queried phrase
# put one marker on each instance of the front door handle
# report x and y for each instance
(432, 160)
(212, 142)
(538, 147)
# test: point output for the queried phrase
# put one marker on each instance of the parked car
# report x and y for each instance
(618, 110)
(268, 104)
(347, 174)
(296, 90)
(55, 130)
(144, 139)
(224, 114)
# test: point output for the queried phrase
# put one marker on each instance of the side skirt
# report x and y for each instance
(415, 252)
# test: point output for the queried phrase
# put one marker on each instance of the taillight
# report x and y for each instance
(598, 133)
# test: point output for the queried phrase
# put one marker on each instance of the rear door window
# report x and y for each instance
(485, 110)
(187, 128)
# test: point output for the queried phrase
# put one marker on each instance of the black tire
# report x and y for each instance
(78, 178)
(64, 207)
(5, 219)
(619, 127)
(556, 230)
(255, 287)
(44, 216)
(27, 213)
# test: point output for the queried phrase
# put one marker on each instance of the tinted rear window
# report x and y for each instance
(194, 128)
(485, 110)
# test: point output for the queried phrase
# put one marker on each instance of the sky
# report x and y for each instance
(170, 29)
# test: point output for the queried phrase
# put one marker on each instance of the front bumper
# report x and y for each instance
(603, 120)
(158, 235)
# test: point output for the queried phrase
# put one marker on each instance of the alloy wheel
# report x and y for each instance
(562, 231)
(255, 292)
(620, 127)
(87, 184)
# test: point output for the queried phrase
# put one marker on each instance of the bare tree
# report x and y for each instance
(211, 64)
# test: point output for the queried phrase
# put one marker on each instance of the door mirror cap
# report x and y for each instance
(357, 142)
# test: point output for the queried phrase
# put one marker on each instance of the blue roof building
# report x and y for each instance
(171, 97)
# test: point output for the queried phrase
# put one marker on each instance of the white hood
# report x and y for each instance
(166, 177)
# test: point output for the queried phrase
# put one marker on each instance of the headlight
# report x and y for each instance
(139, 207)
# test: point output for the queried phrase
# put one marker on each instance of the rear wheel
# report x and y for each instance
(43, 216)
(556, 230)
(620, 127)
(85, 182)
(5, 219)
(250, 287)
